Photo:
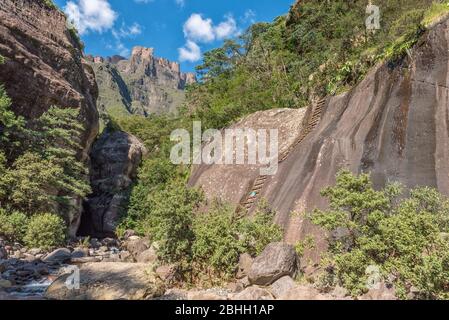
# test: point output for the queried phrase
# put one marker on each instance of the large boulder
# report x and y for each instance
(276, 261)
(109, 281)
(58, 256)
(393, 124)
(281, 286)
(44, 67)
(115, 158)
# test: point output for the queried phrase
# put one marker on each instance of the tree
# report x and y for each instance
(405, 238)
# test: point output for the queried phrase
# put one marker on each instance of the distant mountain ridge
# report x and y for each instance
(143, 84)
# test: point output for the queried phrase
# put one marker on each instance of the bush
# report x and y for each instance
(45, 231)
(170, 220)
(13, 226)
(221, 236)
(405, 238)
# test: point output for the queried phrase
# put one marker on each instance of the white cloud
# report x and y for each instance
(226, 28)
(190, 52)
(86, 15)
(202, 30)
(198, 29)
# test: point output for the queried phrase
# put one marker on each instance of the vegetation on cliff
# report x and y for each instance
(39, 171)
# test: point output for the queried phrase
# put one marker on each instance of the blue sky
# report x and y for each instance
(179, 30)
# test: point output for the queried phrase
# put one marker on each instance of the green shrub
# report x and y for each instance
(170, 220)
(13, 226)
(406, 238)
(45, 231)
(221, 236)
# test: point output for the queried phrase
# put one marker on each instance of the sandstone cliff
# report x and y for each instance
(142, 85)
(44, 67)
(394, 124)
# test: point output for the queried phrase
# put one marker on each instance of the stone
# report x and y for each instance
(253, 293)
(58, 256)
(5, 284)
(281, 286)
(110, 242)
(137, 246)
(94, 243)
(109, 281)
(277, 260)
(147, 256)
(125, 256)
(115, 158)
(80, 253)
(245, 263)
(235, 287)
(167, 273)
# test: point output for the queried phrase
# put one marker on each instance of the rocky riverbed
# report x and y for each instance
(129, 270)
(26, 273)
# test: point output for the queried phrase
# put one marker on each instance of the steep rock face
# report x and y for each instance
(44, 64)
(143, 85)
(44, 67)
(394, 124)
(115, 157)
(231, 182)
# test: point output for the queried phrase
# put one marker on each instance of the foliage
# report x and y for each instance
(13, 226)
(320, 48)
(404, 237)
(221, 236)
(170, 220)
(45, 231)
(45, 173)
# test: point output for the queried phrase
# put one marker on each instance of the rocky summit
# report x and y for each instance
(143, 84)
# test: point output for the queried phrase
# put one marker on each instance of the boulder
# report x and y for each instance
(137, 246)
(109, 281)
(281, 286)
(80, 253)
(60, 256)
(253, 293)
(147, 256)
(276, 261)
(115, 158)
